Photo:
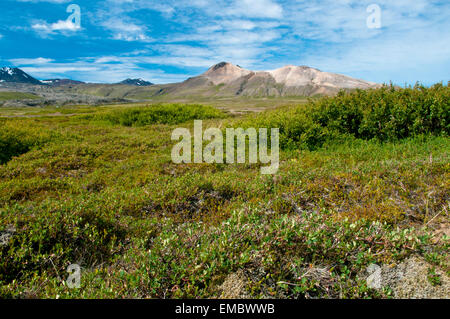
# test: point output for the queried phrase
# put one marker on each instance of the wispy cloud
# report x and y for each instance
(186, 37)
(61, 25)
(51, 1)
(36, 61)
(98, 70)
(122, 29)
(410, 43)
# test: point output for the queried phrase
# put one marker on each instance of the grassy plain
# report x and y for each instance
(9, 95)
(98, 188)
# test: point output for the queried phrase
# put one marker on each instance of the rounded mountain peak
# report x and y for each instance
(225, 72)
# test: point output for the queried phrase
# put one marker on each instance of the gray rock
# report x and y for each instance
(409, 279)
(6, 235)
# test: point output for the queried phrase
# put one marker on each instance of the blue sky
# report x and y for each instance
(168, 41)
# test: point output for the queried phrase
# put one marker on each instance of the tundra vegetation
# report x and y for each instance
(8, 95)
(363, 178)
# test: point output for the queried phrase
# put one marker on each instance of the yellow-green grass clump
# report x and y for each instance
(8, 95)
(106, 195)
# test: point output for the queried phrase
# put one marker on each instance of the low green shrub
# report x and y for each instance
(16, 141)
(160, 114)
(384, 114)
(387, 113)
(55, 238)
(4, 96)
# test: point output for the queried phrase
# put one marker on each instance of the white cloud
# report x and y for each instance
(270, 9)
(61, 25)
(166, 57)
(413, 39)
(421, 56)
(51, 1)
(255, 9)
(97, 70)
(230, 16)
(131, 37)
(125, 30)
(238, 24)
(31, 61)
(261, 34)
(64, 27)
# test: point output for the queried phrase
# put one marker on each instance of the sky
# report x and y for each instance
(403, 41)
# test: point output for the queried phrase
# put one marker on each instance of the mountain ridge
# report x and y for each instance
(59, 82)
(226, 79)
(221, 80)
(16, 75)
(136, 82)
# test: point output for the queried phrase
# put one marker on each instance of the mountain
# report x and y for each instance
(226, 79)
(136, 82)
(220, 82)
(59, 82)
(17, 76)
(225, 73)
(298, 76)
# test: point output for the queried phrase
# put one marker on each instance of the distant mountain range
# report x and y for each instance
(137, 82)
(221, 80)
(17, 76)
(59, 82)
(226, 79)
